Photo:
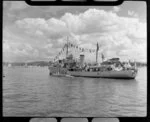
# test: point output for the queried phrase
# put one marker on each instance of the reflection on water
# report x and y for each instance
(32, 92)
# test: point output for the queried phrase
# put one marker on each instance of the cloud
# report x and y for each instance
(116, 9)
(91, 21)
(53, 28)
(132, 13)
(18, 48)
(117, 35)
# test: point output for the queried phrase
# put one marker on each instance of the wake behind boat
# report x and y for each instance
(111, 68)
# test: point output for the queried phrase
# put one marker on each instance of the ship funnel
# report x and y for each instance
(81, 60)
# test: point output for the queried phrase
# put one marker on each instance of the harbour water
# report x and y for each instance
(32, 92)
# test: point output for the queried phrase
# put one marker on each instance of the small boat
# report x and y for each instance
(70, 76)
(61, 75)
(111, 68)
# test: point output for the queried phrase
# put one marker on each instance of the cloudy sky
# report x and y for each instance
(38, 33)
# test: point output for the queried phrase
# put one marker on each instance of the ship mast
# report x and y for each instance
(97, 48)
(96, 56)
(67, 48)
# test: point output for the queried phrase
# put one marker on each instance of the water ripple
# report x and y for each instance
(32, 92)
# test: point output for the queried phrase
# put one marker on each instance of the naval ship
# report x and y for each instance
(110, 68)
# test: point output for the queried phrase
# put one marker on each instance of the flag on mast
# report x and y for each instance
(103, 57)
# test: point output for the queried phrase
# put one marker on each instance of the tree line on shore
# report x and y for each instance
(35, 63)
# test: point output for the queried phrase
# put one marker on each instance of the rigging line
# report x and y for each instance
(69, 44)
(60, 51)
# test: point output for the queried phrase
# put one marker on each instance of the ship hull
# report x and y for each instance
(123, 74)
(106, 74)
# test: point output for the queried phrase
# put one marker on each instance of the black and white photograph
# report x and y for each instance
(74, 61)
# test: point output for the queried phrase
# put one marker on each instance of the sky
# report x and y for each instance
(38, 33)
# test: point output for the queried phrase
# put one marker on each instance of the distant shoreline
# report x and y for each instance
(46, 63)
